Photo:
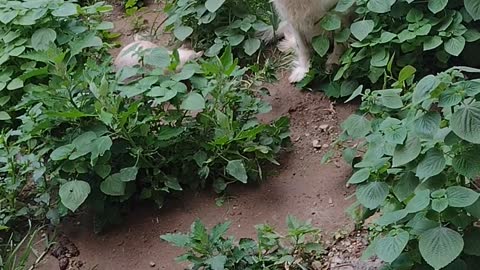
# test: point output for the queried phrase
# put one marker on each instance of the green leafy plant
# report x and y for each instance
(419, 168)
(213, 25)
(298, 249)
(388, 35)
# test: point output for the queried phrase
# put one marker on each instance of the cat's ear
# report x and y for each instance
(199, 54)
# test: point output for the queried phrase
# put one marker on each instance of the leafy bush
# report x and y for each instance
(420, 168)
(213, 25)
(72, 132)
(388, 35)
(298, 249)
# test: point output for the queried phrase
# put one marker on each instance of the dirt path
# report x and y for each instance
(300, 186)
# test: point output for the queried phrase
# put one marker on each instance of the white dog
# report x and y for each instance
(299, 25)
(129, 56)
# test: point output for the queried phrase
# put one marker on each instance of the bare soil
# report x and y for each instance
(300, 186)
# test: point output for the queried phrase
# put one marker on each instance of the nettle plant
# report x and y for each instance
(419, 169)
(213, 25)
(391, 34)
(298, 249)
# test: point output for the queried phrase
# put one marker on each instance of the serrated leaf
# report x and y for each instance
(182, 32)
(432, 164)
(236, 169)
(473, 8)
(356, 126)
(176, 239)
(344, 5)
(427, 125)
(440, 246)
(113, 186)
(321, 44)
(74, 193)
(331, 22)
(465, 122)
(436, 6)
(406, 186)
(213, 5)
(390, 247)
(403, 154)
(193, 102)
(361, 29)
(65, 10)
(373, 194)
(439, 204)
(217, 262)
(391, 217)
(360, 176)
(424, 87)
(380, 6)
(432, 43)
(467, 163)
(251, 46)
(420, 201)
(42, 38)
(459, 196)
(455, 45)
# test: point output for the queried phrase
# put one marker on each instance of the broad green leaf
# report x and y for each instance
(439, 204)
(74, 193)
(7, 16)
(465, 122)
(158, 57)
(42, 38)
(113, 186)
(357, 126)
(331, 22)
(406, 73)
(373, 194)
(321, 44)
(251, 46)
(423, 88)
(235, 39)
(472, 35)
(172, 183)
(65, 10)
(440, 246)
(427, 125)
(236, 169)
(455, 45)
(217, 263)
(103, 170)
(391, 99)
(474, 209)
(471, 239)
(467, 163)
(432, 43)
(387, 37)
(88, 41)
(182, 32)
(176, 239)
(406, 186)
(219, 185)
(361, 29)
(100, 146)
(420, 201)
(166, 133)
(459, 196)
(344, 5)
(360, 176)
(393, 130)
(391, 217)
(15, 84)
(388, 248)
(213, 5)
(193, 102)
(403, 154)
(473, 8)
(420, 224)
(62, 152)
(4, 116)
(436, 6)
(380, 6)
(432, 164)
(128, 174)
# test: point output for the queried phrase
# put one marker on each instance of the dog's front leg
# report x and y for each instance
(302, 65)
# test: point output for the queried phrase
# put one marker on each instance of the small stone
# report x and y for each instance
(323, 127)
(330, 201)
(307, 134)
(152, 264)
(325, 145)
(316, 144)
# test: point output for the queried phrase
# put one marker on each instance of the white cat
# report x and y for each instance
(299, 25)
(129, 56)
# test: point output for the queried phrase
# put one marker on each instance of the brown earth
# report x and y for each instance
(300, 186)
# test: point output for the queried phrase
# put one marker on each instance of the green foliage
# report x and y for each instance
(419, 170)
(213, 25)
(388, 35)
(298, 249)
(75, 133)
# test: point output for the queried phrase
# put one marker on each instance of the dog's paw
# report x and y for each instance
(298, 74)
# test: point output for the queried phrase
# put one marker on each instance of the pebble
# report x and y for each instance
(152, 264)
(316, 144)
(323, 127)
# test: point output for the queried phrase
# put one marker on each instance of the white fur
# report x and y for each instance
(301, 17)
(129, 56)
